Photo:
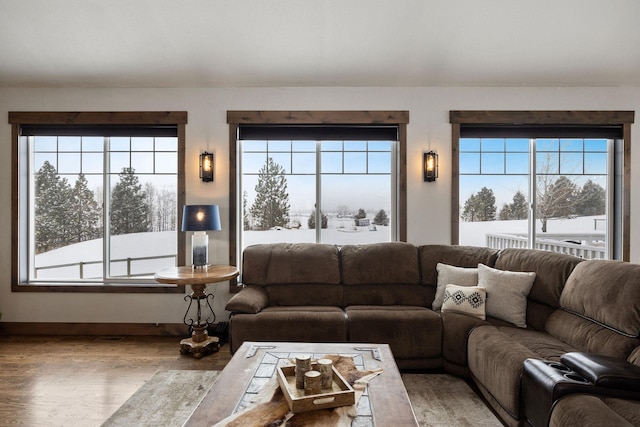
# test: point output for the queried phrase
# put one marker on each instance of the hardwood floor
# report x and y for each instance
(82, 380)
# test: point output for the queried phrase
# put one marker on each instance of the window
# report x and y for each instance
(556, 185)
(98, 198)
(330, 177)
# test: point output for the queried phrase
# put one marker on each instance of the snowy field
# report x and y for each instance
(136, 245)
(341, 231)
(474, 233)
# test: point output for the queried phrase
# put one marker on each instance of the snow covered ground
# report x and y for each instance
(474, 233)
(136, 245)
(341, 231)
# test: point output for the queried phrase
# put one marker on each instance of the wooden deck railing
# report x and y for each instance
(583, 245)
(125, 267)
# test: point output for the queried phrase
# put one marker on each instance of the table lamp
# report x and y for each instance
(199, 219)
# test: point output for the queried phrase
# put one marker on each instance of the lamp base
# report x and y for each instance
(200, 249)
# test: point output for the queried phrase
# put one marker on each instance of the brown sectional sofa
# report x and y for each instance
(384, 293)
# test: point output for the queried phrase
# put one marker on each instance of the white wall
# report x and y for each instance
(428, 203)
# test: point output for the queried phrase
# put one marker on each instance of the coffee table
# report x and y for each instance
(385, 403)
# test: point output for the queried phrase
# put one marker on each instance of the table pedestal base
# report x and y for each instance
(199, 344)
(199, 349)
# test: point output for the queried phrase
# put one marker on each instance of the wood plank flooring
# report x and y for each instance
(82, 380)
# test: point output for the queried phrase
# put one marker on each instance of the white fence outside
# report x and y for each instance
(583, 245)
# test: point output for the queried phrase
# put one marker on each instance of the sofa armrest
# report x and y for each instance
(251, 299)
(604, 371)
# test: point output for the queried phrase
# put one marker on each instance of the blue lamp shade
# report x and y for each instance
(201, 218)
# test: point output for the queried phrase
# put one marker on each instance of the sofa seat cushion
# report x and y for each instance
(410, 331)
(589, 336)
(455, 332)
(297, 324)
(496, 356)
(580, 410)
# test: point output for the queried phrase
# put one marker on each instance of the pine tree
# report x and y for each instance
(592, 200)
(480, 206)
(505, 213)
(381, 218)
(52, 199)
(486, 205)
(519, 208)
(246, 217)
(271, 206)
(311, 223)
(85, 222)
(469, 213)
(360, 215)
(129, 210)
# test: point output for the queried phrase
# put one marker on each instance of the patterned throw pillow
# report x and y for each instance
(470, 300)
(450, 274)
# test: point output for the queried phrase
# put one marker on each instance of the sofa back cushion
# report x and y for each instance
(600, 308)
(294, 273)
(459, 256)
(381, 274)
(552, 271)
(606, 292)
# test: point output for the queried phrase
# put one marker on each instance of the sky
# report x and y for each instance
(503, 164)
(154, 159)
(356, 173)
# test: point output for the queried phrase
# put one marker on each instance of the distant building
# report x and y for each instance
(363, 222)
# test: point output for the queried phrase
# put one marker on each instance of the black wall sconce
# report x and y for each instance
(430, 166)
(206, 167)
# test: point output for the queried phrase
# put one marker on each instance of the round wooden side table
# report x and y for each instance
(200, 343)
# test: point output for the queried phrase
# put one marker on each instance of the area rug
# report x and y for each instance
(441, 400)
(169, 397)
(166, 400)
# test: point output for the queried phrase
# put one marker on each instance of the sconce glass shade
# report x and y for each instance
(206, 167)
(200, 218)
(430, 165)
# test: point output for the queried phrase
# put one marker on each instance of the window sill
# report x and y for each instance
(99, 288)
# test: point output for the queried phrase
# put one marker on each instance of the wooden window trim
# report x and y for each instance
(17, 119)
(237, 118)
(490, 117)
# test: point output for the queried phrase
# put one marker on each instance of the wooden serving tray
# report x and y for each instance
(340, 394)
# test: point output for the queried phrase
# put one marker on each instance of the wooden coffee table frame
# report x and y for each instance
(390, 403)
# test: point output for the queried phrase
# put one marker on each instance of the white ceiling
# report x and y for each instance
(229, 43)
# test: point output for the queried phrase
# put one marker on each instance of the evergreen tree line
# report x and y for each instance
(555, 199)
(66, 214)
(381, 218)
(271, 207)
